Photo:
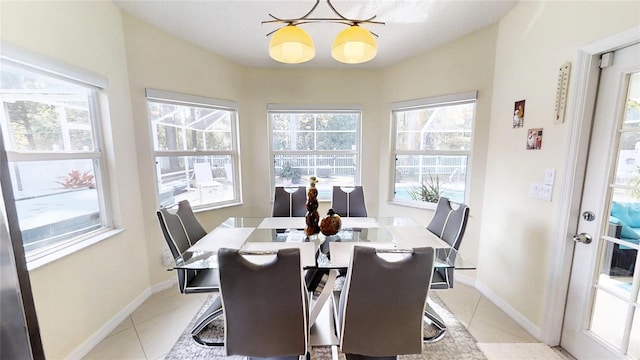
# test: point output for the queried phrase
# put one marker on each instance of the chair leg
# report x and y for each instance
(435, 319)
(213, 312)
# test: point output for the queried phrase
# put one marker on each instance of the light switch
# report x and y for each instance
(549, 175)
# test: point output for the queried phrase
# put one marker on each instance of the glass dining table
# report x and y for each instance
(326, 256)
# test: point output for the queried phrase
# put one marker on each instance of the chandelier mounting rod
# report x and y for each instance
(305, 19)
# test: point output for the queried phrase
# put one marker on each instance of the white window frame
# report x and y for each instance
(173, 98)
(295, 108)
(436, 101)
(96, 84)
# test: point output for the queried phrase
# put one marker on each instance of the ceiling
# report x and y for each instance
(233, 29)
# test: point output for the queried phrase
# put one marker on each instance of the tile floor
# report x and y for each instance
(152, 329)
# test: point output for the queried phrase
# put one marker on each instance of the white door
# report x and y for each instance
(602, 316)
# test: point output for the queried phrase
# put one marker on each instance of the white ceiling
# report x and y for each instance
(233, 28)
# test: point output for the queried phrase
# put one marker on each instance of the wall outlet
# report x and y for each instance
(541, 191)
(167, 258)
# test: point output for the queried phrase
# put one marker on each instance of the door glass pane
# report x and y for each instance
(618, 274)
(609, 317)
(634, 339)
(628, 166)
(632, 112)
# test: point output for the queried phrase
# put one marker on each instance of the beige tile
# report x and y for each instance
(486, 333)
(528, 351)
(462, 300)
(123, 345)
(158, 334)
(124, 325)
(161, 303)
(489, 313)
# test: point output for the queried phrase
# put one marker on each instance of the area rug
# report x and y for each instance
(520, 351)
(458, 343)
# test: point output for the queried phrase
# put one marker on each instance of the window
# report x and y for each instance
(432, 148)
(196, 149)
(51, 131)
(317, 142)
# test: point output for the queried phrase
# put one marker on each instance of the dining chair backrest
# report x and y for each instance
(383, 303)
(348, 201)
(178, 243)
(173, 231)
(456, 225)
(289, 204)
(440, 216)
(195, 231)
(264, 305)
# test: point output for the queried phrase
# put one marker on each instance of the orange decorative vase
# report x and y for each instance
(330, 224)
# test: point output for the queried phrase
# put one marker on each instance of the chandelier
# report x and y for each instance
(292, 45)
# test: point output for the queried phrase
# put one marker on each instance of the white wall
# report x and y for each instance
(534, 39)
(78, 294)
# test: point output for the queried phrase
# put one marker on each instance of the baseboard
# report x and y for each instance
(508, 309)
(465, 280)
(112, 324)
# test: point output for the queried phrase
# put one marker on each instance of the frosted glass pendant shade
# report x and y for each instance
(354, 45)
(291, 45)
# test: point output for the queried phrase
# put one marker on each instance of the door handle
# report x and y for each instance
(583, 238)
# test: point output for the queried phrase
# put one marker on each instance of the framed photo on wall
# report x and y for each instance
(534, 139)
(518, 114)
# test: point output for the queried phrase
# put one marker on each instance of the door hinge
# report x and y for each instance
(606, 60)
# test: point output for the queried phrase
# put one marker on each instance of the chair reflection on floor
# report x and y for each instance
(348, 201)
(380, 310)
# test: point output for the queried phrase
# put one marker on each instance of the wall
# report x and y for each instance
(76, 295)
(463, 65)
(160, 61)
(534, 39)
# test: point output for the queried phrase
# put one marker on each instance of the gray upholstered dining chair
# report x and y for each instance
(348, 201)
(289, 204)
(189, 281)
(265, 305)
(440, 216)
(195, 231)
(382, 303)
(449, 224)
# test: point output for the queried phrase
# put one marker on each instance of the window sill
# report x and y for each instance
(215, 207)
(39, 260)
(414, 204)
